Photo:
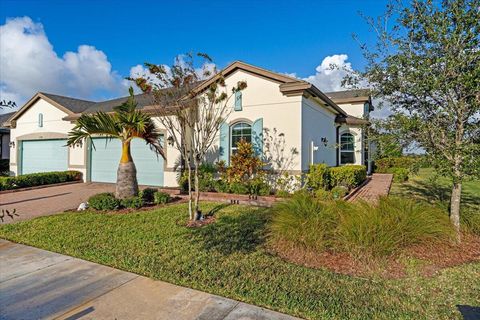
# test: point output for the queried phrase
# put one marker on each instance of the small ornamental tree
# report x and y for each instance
(244, 164)
(125, 123)
(426, 65)
(191, 103)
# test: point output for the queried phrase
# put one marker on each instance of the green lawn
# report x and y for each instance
(228, 258)
(426, 186)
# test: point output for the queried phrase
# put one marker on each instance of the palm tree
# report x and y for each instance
(125, 123)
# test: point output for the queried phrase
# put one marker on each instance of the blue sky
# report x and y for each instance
(284, 36)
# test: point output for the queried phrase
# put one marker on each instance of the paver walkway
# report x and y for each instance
(379, 185)
(39, 284)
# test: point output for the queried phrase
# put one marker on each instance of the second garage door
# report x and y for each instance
(105, 158)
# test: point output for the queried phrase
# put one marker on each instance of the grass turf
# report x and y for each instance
(427, 186)
(228, 258)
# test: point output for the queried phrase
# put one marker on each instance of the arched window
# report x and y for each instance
(40, 120)
(347, 148)
(240, 131)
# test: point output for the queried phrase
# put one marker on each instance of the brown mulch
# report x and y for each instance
(201, 223)
(431, 259)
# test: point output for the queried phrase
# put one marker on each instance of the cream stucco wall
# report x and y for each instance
(27, 128)
(354, 109)
(317, 123)
(262, 99)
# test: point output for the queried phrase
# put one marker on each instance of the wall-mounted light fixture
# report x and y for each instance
(12, 144)
(324, 141)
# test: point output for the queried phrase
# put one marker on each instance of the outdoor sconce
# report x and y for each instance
(170, 141)
(12, 144)
(324, 141)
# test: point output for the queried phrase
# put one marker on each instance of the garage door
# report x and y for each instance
(44, 156)
(106, 156)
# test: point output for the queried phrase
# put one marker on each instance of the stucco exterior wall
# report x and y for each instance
(27, 128)
(317, 123)
(354, 109)
(262, 99)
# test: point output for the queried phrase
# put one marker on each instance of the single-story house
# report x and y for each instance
(324, 128)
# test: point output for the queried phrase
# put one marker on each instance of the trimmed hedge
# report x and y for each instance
(321, 176)
(399, 174)
(349, 176)
(38, 179)
(318, 176)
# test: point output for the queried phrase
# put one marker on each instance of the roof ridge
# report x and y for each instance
(61, 96)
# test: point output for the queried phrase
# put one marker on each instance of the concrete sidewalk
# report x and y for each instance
(38, 284)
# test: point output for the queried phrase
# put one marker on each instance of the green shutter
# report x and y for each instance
(224, 142)
(257, 136)
(238, 101)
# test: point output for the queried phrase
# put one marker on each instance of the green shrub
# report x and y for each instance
(133, 202)
(206, 178)
(303, 220)
(349, 176)
(239, 188)
(323, 195)
(393, 224)
(339, 192)
(259, 187)
(38, 179)
(221, 186)
(399, 174)
(412, 164)
(147, 194)
(318, 177)
(161, 197)
(104, 201)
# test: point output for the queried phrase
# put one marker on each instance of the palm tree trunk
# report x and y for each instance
(127, 185)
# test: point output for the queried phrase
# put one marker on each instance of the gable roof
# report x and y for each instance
(288, 86)
(346, 96)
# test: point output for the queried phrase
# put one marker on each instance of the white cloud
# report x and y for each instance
(330, 73)
(29, 63)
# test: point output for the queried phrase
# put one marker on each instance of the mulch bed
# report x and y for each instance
(200, 223)
(430, 259)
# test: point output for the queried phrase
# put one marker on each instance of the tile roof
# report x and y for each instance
(3, 118)
(72, 104)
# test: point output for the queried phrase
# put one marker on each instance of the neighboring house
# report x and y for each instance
(5, 136)
(312, 122)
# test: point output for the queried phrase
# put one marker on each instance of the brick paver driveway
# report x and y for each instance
(50, 200)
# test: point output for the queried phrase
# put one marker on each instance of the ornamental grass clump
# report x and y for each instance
(303, 220)
(360, 229)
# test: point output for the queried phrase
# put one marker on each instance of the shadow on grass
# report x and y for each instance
(236, 232)
(435, 192)
(469, 312)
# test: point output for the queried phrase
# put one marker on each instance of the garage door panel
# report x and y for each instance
(44, 156)
(105, 159)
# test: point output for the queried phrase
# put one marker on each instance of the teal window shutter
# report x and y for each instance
(224, 142)
(257, 136)
(238, 101)
(40, 120)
